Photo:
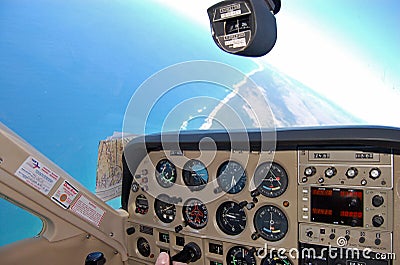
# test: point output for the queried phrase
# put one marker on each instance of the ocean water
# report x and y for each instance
(69, 68)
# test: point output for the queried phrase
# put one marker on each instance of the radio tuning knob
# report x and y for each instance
(310, 171)
(377, 221)
(330, 172)
(377, 200)
(351, 172)
(375, 173)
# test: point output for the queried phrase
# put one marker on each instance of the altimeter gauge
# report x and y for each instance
(231, 218)
(231, 177)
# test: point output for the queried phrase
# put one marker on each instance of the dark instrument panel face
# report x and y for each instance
(337, 206)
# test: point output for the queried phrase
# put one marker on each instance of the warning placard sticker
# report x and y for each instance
(88, 210)
(65, 194)
(37, 175)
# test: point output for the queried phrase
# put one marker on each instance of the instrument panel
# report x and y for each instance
(217, 204)
(261, 208)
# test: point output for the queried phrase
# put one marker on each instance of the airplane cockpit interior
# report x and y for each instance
(234, 132)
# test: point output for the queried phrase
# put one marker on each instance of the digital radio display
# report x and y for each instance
(337, 206)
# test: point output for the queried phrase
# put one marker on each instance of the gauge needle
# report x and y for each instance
(167, 208)
(233, 182)
(276, 178)
(234, 260)
(271, 222)
(230, 216)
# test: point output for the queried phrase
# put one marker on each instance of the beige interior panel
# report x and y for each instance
(74, 250)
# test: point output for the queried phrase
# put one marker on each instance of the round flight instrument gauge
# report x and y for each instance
(271, 223)
(240, 256)
(143, 247)
(274, 259)
(195, 213)
(165, 173)
(195, 175)
(142, 204)
(231, 218)
(165, 211)
(271, 181)
(231, 177)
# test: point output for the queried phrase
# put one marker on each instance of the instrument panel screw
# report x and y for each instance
(1, 160)
(111, 234)
(87, 236)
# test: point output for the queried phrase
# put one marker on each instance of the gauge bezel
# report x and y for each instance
(260, 187)
(160, 177)
(220, 221)
(139, 249)
(188, 174)
(274, 255)
(164, 199)
(231, 252)
(139, 210)
(240, 184)
(265, 236)
(186, 217)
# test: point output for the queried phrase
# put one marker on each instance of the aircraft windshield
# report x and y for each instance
(70, 71)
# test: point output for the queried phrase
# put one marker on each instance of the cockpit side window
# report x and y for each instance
(17, 223)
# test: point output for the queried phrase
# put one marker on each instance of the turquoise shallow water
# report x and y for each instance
(69, 68)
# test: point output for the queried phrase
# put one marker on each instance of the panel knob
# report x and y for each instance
(330, 172)
(377, 221)
(310, 171)
(377, 200)
(351, 172)
(375, 173)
